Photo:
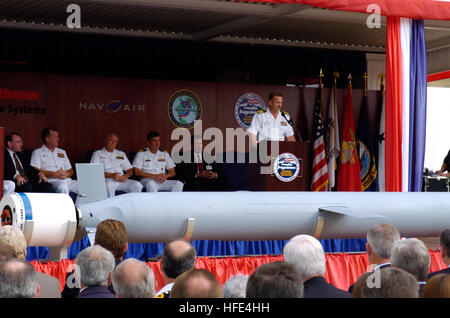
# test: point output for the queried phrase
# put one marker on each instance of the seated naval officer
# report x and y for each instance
(270, 124)
(115, 162)
(197, 173)
(151, 165)
(445, 166)
(18, 170)
(54, 163)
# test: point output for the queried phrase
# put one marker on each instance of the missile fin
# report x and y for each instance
(347, 211)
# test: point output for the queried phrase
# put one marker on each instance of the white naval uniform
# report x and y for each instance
(8, 187)
(116, 162)
(156, 164)
(44, 159)
(265, 126)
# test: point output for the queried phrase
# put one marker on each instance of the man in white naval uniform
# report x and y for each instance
(270, 124)
(151, 165)
(54, 162)
(115, 162)
(8, 187)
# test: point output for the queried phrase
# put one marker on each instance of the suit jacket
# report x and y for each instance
(49, 286)
(10, 169)
(96, 292)
(186, 172)
(442, 271)
(317, 287)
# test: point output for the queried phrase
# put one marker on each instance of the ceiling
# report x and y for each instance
(214, 20)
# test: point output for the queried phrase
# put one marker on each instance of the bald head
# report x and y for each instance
(196, 283)
(178, 257)
(134, 279)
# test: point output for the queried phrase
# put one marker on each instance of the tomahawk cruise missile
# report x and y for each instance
(53, 219)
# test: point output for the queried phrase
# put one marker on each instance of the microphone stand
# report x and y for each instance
(292, 124)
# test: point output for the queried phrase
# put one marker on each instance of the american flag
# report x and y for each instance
(319, 180)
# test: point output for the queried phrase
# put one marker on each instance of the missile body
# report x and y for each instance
(243, 215)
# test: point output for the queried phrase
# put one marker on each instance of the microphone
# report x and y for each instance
(292, 124)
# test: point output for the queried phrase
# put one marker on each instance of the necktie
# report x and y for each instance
(200, 164)
(19, 167)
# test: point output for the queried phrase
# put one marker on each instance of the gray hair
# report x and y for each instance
(18, 279)
(412, 255)
(235, 287)
(134, 279)
(95, 264)
(392, 283)
(381, 237)
(14, 238)
(306, 253)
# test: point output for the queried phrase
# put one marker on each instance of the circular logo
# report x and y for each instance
(286, 167)
(246, 106)
(184, 108)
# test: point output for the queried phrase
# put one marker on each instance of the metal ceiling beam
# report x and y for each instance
(278, 11)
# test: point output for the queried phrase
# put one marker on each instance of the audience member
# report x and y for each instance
(133, 279)
(115, 162)
(235, 287)
(390, 282)
(95, 265)
(14, 238)
(275, 280)
(54, 163)
(412, 255)
(151, 165)
(110, 234)
(306, 253)
(6, 252)
(438, 286)
(18, 170)
(196, 283)
(380, 240)
(444, 248)
(178, 257)
(18, 279)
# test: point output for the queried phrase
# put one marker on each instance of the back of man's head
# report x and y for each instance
(411, 255)
(6, 252)
(95, 264)
(14, 237)
(235, 287)
(275, 280)
(133, 279)
(386, 283)
(381, 237)
(18, 279)
(178, 257)
(112, 235)
(196, 283)
(444, 242)
(306, 253)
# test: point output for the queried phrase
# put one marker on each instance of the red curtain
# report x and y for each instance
(342, 269)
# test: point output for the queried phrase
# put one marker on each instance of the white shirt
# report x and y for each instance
(153, 163)
(113, 162)
(166, 288)
(265, 126)
(12, 158)
(43, 158)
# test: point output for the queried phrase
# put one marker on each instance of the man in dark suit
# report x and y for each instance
(18, 170)
(444, 248)
(95, 266)
(199, 171)
(380, 239)
(306, 253)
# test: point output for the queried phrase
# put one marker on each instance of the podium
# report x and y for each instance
(262, 176)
